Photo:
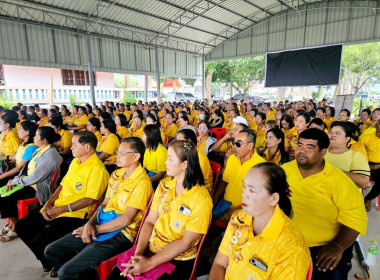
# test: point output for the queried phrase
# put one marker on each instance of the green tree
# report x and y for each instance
(189, 82)
(119, 81)
(128, 98)
(73, 100)
(6, 100)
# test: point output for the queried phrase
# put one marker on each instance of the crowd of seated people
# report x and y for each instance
(288, 195)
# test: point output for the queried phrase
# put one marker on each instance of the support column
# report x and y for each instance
(90, 71)
(146, 87)
(158, 76)
(51, 101)
(203, 78)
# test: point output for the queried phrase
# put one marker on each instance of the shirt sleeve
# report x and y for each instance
(67, 140)
(161, 158)
(12, 145)
(97, 183)
(359, 165)
(224, 246)
(28, 152)
(140, 195)
(111, 145)
(155, 201)
(200, 214)
(227, 171)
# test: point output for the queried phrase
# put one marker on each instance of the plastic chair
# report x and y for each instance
(211, 232)
(215, 167)
(104, 269)
(166, 141)
(310, 271)
(219, 132)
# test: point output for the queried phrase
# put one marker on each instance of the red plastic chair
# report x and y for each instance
(215, 167)
(104, 269)
(211, 232)
(166, 141)
(218, 131)
(310, 271)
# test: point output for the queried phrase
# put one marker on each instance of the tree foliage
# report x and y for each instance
(189, 81)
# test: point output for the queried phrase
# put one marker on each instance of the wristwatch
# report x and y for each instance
(69, 207)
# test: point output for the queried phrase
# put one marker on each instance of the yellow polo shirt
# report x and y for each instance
(206, 170)
(276, 159)
(372, 145)
(88, 179)
(329, 121)
(260, 139)
(280, 247)
(128, 114)
(172, 223)
(44, 121)
(123, 132)
(134, 192)
(79, 121)
(109, 145)
(349, 161)
(271, 115)
(289, 135)
(98, 136)
(171, 131)
(10, 143)
(66, 119)
(154, 161)
(66, 140)
(358, 147)
(137, 133)
(325, 200)
(72, 119)
(369, 130)
(234, 175)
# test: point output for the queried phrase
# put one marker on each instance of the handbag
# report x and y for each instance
(103, 217)
(5, 166)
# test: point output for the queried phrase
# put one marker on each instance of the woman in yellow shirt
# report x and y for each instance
(10, 140)
(287, 126)
(179, 215)
(81, 120)
(260, 131)
(106, 149)
(137, 129)
(155, 154)
(63, 146)
(275, 148)
(121, 126)
(93, 125)
(205, 141)
(154, 119)
(89, 111)
(170, 130)
(261, 242)
(301, 123)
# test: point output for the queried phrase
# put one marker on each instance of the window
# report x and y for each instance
(30, 94)
(2, 77)
(54, 94)
(65, 94)
(59, 94)
(17, 95)
(24, 94)
(76, 77)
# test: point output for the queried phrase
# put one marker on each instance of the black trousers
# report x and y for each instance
(340, 272)
(8, 204)
(37, 233)
(182, 271)
(375, 191)
(63, 254)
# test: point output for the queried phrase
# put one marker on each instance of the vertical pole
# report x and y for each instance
(203, 78)
(158, 76)
(51, 87)
(146, 87)
(90, 71)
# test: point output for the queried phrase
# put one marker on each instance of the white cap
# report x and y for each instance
(240, 119)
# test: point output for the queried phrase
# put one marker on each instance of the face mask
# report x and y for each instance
(213, 116)
(201, 116)
(29, 113)
(1, 127)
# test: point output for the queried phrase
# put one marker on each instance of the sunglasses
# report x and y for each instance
(239, 144)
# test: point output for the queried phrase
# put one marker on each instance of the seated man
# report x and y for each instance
(128, 193)
(72, 202)
(327, 206)
(238, 164)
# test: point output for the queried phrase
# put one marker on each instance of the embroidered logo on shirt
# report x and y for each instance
(177, 224)
(78, 186)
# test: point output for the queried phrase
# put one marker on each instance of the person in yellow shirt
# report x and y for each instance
(329, 116)
(301, 123)
(364, 121)
(170, 130)
(89, 111)
(81, 120)
(44, 118)
(375, 118)
(93, 125)
(121, 126)
(179, 215)
(260, 132)
(155, 154)
(22, 116)
(371, 143)
(10, 141)
(227, 198)
(106, 149)
(154, 119)
(205, 141)
(72, 202)
(287, 126)
(63, 146)
(268, 111)
(138, 127)
(274, 147)
(228, 122)
(261, 241)
(128, 193)
(329, 201)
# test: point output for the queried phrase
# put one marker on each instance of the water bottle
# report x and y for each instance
(372, 253)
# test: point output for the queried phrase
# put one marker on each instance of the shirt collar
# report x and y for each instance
(274, 227)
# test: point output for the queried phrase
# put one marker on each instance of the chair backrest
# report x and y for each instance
(55, 178)
(144, 217)
(215, 167)
(166, 141)
(310, 271)
(219, 132)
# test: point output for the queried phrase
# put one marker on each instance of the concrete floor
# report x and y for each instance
(18, 263)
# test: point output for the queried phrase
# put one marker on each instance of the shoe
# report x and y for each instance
(368, 205)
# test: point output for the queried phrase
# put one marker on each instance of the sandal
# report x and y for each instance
(9, 236)
(53, 273)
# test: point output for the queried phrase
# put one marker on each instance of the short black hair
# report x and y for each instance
(31, 127)
(317, 121)
(105, 116)
(316, 134)
(48, 133)
(110, 125)
(87, 137)
(368, 111)
(251, 136)
(305, 115)
(322, 109)
(137, 145)
(347, 112)
(95, 122)
(189, 134)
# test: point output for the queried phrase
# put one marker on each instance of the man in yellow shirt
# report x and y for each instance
(371, 143)
(128, 193)
(327, 207)
(228, 196)
(71, 204)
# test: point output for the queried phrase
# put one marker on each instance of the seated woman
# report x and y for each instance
(81, 120)
(301, 123)
(179, 215)
(184, 123)
(170, 129)
(34, 179)
(205, 141)
(93, 126)
(121, 126)
(259, 129)
(217, 119)
(137, 129)
(154, 119)
(353, 163)
(155, 154)
(261, 242)
(106, 149)
(275, 149)
(287, 126)
(318, 123)
(187, 134)
(9, 140)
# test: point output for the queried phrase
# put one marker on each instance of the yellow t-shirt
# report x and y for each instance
(171, 131)
(83, 120)
(109, 145)
(154, 161)
(358, 147)
(260, 139)
(271, 115)
(10, 143)
(280, 247)
(66, 119)
(128, 114)
(137, 133)
(369, 130)
(66, 140)
(228, 124)
(88, 179)
(44, 121)
(276, 159)
(206, 170)
(325, 200)
(98, 136)
(289, 135)
(234, 175)
(372, 145)
(123, 132)
(329, 121)
(349, 161)
(72, 119)
(172, 222)
(134, 192)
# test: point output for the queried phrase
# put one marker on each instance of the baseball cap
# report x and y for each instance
(240, 119)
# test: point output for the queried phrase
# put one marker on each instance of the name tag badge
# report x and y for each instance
(184, 210)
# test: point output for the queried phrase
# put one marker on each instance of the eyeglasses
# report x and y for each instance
(334, 134)
(202, 128)
(121, 153)
(239, 144)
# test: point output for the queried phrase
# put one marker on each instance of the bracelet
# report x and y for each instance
(69, 207)
(337, 245)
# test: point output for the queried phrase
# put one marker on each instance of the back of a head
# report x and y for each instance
(189, 134)
(110, 125)
(87, 137)
(316, 134)
(153, 136)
